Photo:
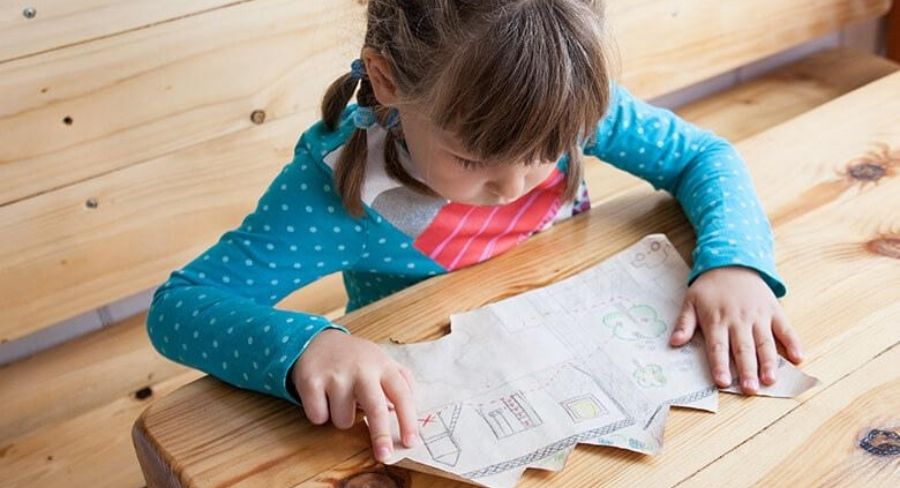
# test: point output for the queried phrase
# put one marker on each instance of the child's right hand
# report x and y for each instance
(351, 370)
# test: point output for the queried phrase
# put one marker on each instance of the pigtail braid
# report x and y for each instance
(336, 98)
(350, 168)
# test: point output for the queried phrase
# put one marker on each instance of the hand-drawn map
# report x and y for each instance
(518, 383)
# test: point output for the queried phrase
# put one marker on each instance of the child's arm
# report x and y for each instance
(733, 284)
(216, 313)
(703, 171)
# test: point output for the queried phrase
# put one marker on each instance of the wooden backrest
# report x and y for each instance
(132, 134)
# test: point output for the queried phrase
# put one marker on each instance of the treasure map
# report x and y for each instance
(519, 383)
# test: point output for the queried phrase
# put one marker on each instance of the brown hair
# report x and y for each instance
(514, 80)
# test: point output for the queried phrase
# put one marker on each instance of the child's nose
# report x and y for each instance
(510, 187)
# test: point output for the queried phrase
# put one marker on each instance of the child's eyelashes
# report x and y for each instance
(467, 163)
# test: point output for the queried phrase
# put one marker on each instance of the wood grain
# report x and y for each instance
(704, 38)
(837, 247)
(151, 92)
(91, 449)
(79, 376)
(844, 428)
(53, 24)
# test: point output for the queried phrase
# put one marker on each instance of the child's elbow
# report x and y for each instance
(160, 319)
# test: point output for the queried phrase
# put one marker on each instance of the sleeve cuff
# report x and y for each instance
(285, 388)
(766, 271)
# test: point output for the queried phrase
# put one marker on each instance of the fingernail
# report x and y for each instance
(383, 453)
(723, 378)
(410, 440)
(750, 383)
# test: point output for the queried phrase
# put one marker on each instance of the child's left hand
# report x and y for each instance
(733, 305)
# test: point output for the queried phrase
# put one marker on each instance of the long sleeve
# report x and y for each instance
(217, 313)
(705, 174)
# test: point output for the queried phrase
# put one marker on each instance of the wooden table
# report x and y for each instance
(830, 183)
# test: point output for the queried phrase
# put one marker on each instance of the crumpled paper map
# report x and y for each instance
(518, 383)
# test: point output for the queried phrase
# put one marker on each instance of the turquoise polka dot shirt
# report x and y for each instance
(217, 313)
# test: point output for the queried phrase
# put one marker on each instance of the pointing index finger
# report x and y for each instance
(397, 390)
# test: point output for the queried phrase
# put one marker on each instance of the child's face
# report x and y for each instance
(436, 155)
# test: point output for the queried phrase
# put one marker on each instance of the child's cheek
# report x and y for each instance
(470, 187)
(451, 183)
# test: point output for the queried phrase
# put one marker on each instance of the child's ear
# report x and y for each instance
(380, 76)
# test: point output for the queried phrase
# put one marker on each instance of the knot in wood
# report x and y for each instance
(867, 171)
(144, 393)
(258, 116)
(881, 443)
(885, 246)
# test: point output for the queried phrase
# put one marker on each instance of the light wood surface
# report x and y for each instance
(177, 123)
(84, 450)
(79, 376)
(53, 24)
(828, 180)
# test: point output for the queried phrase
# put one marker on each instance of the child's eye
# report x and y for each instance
(467, 163)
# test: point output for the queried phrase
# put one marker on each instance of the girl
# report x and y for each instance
(467, 137)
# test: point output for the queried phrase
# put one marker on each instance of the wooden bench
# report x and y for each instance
(132, 137)
(838, 249)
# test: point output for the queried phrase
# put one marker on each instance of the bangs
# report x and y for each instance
(527, 88)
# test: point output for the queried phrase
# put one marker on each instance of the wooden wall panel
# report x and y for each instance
(162, 144)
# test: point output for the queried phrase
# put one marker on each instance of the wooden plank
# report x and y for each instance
(167, 88)
(837, 248)
(704, 38)
(52, 24)
(80, 375)
(93, 449)
(848, 421)
(145, 212)
(762, 103)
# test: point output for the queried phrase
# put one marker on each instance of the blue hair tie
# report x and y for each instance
(357, 69)
(364, 117)
(393, 118)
